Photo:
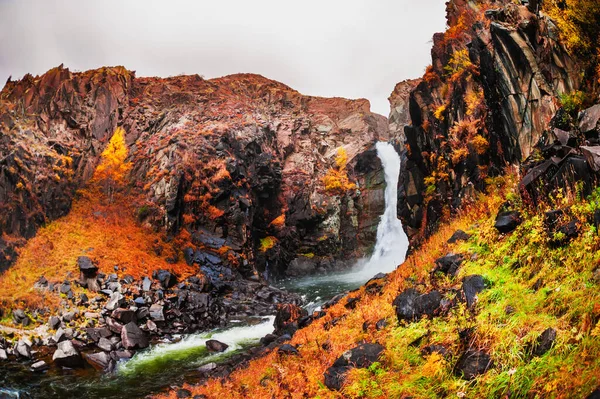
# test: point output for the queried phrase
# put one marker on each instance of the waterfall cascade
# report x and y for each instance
(392, 242)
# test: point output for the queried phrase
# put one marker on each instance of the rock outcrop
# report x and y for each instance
(238, 161)
(486, 102)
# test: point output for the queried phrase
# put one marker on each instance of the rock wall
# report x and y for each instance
(236, 161)
(485, 103)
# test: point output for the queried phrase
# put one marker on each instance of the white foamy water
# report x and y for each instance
(392, 242)
(192, 348)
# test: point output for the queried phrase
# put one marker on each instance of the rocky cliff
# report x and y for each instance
(239, 162)
(486, 102)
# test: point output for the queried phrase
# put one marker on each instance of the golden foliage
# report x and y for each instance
(336, 180)
(439, 112)
(578, 21)
(480, 144)
(458, 64)
(267, 243)
(112, 165)
(279, 221)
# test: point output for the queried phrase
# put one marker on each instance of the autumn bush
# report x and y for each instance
(113, 166)
(336, 179)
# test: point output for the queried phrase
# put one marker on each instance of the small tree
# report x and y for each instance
(112, 169)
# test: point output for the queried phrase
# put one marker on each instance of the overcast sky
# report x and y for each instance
(347, 48)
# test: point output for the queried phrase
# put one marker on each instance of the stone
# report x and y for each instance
(592, 156)
(3, 354)
(116, 299)
(507, 222)
(105, 344)
(268, 339)
(69, 316)
(183, 393)
(67, 356)
(207, 367)
(448, 264)
(411, 305)
(132, 337)
(472, 363)
(60, 335)
(146, 284)
(595, 394)
(215, 346)
(96, 333)
(430, 349)
(124, 315)
(156, 312)
(287, 349)
(151, 326)
(565, 233)
(165, 278)
(471, 286)
(381, 324)
(544, 342)
(86, 266)
(139, 301)
(99, 360)
(142, 313)
(22, 349)
(359, 357)
(589, 118)
(40, 366)
(114, 325)
(458, 235)
(54, 322)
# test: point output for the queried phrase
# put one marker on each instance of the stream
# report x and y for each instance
(173, 363)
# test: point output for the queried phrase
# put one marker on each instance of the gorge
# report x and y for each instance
(233, 238)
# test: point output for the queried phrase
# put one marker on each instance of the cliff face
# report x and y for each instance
(486, 101)
(237, 161)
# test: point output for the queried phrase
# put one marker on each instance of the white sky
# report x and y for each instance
(346, 48)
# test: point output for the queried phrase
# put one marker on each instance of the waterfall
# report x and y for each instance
(392, 244)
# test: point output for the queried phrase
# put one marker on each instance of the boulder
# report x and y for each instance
(183, 393)
(472, 363)
(589, 118)
(592, 156)
(40, 366)
(287, 349)
(165, 278)
(471, 286)
(544, 342)
(116, 299)
(99, 360)
(132, 337)
(20, 317)
(105, 344)
(96, 334)
(146, 284)
(565, 233)
(411, 305)
(448, 264)
(67, 356)
(23, 349)
(86, 266)
(54, 322)
(595, 394)
(359, 357)
(124, 315)
(215, 346)
(156, 312)
(458, 235)
(3, 354)
(507, 221)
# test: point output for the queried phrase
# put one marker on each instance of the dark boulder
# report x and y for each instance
(544, 342)
(165, 278)
(507, 221)
(215, 346)
(595, 394)
(592, 156)
(430, 349)
(86, 266)
(472, 363)
(99, 361)
(564, 233)
(96, 333)
(287, 349)
(67, 356)
(287, 318)
(132, 337)
(448, 264)
(156, 312)
(20, 317)
(359, 357)
(411, 305)
(458, 235)
(124, 315)
(105, 344)
(351, 303)
(471, 286)
(183, 393)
